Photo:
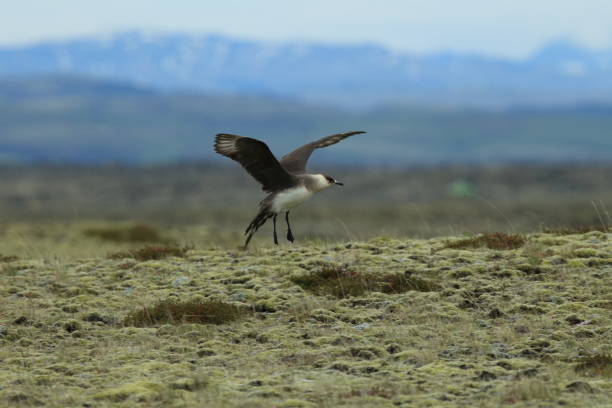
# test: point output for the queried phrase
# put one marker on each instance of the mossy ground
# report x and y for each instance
(526, 327)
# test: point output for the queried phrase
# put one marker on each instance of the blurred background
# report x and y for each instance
(481, 116)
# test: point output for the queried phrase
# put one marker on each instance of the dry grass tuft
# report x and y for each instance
(395, 283)
(375, 391)
(576, 230)
(528, 389)
(152, 252)
(335, 281)
(606, 305)
(172, 311)
(343, 282)
(131, 233)
(596, 364)
(496, 240)
(8, 258)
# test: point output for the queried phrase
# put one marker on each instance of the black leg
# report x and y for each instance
(289, 233)
(246, 244)
(275, 238)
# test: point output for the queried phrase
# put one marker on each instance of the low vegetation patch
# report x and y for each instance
(576, 230)
(375, 391)
(496, 240)
(129, 233)
(606, 305)
(223, 328)
(152, 252)
(172, 311)
(597, 364)
(8, 258)
(396, 283)
(344, 282)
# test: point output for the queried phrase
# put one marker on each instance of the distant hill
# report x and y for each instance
(79, 120)
(345, 75)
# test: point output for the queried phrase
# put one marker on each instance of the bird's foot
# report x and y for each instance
(290, 236)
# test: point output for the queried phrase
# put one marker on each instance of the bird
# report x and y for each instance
(286, 180)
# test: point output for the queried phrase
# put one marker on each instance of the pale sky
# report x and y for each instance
(512, 28)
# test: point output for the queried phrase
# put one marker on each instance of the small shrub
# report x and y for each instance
(152, 252)
(576, 230)
(597, 364)
(131, 233)
(343, 282)
(496, 240)
(175, 312)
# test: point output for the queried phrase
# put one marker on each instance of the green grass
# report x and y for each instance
(170, 202)
(377, 323)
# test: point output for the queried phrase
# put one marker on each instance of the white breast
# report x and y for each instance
(291, 198)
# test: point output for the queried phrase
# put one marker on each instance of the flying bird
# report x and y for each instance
(286, 181)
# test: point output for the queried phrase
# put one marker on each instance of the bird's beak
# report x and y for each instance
(338, 183)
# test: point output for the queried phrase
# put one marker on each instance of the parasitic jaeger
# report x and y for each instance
(286, 180)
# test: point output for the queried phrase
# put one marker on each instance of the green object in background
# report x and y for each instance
(461, 188)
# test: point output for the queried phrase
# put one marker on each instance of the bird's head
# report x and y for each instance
(330, 181)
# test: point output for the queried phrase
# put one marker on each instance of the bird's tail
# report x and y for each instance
(260, 219)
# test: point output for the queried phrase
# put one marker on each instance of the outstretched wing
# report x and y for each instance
(256, 158)
(295, 162)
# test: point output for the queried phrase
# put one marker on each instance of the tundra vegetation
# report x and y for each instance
(490, 320)
(112, 295)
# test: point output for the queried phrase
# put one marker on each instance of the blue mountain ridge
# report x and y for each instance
(362, 75)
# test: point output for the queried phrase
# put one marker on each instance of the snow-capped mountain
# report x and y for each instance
(349, 75)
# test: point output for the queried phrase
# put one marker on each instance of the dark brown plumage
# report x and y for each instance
(295, 162)
(256, 158)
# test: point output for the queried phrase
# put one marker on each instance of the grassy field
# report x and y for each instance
(127, 287)
(90, 318)
(204, 204)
